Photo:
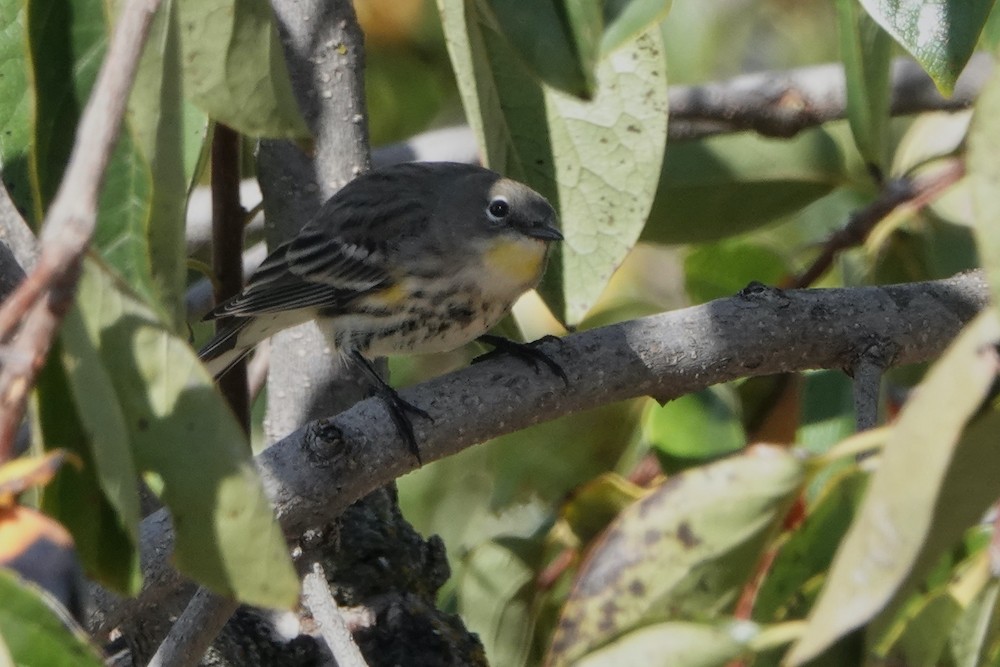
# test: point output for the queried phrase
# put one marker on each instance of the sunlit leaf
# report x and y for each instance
(940, 34)
(22, 473)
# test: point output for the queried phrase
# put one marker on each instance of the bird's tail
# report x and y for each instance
(220, 353)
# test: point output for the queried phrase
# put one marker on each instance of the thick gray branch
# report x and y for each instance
(315, 473)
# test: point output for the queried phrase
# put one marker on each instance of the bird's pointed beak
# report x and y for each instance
(544, 230)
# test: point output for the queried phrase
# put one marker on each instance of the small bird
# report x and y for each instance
(407, 259)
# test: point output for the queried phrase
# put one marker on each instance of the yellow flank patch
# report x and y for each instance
(390, 296)
(515, 260)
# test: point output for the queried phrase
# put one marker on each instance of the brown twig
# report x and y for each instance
(228, 218)
(30, 318)
(912, 192)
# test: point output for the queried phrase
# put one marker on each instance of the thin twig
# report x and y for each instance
(228, 221)
(30, 318)
(192, 633)
(912, 192)
(867, 372)
(317, 599)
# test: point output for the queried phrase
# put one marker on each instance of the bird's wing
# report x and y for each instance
(346, 250)
(287, 293)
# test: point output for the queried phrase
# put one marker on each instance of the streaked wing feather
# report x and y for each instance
(333, 260)
(290, 295)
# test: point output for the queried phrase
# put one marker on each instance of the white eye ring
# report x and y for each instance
(498, 209)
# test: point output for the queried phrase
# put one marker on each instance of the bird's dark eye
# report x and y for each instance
(498, 209)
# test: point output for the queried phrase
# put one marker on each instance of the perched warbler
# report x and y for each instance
(412, 258)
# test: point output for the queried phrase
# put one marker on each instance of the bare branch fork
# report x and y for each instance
(761, 331)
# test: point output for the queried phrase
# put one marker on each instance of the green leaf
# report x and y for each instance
(809, 550)
(672, 644)
(182, 430)
(34, 634)
(912, 513)
(977, 630)
(66, 40)
(94, 395)
(168, 135)
(984, 172)
(744, 261)
(15, 106)
(940, 34)
(683, 551)
(866, 50)
(727, 185)
(625, 20)
(925, 634)
(554, 143)
(97, 504)
(557, 39)
(496, 596)
(698, 426)
(234, 67)
(142, 202)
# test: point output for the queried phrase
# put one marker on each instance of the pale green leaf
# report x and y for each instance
(674, 644)
(978, 628)
(984, 172)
